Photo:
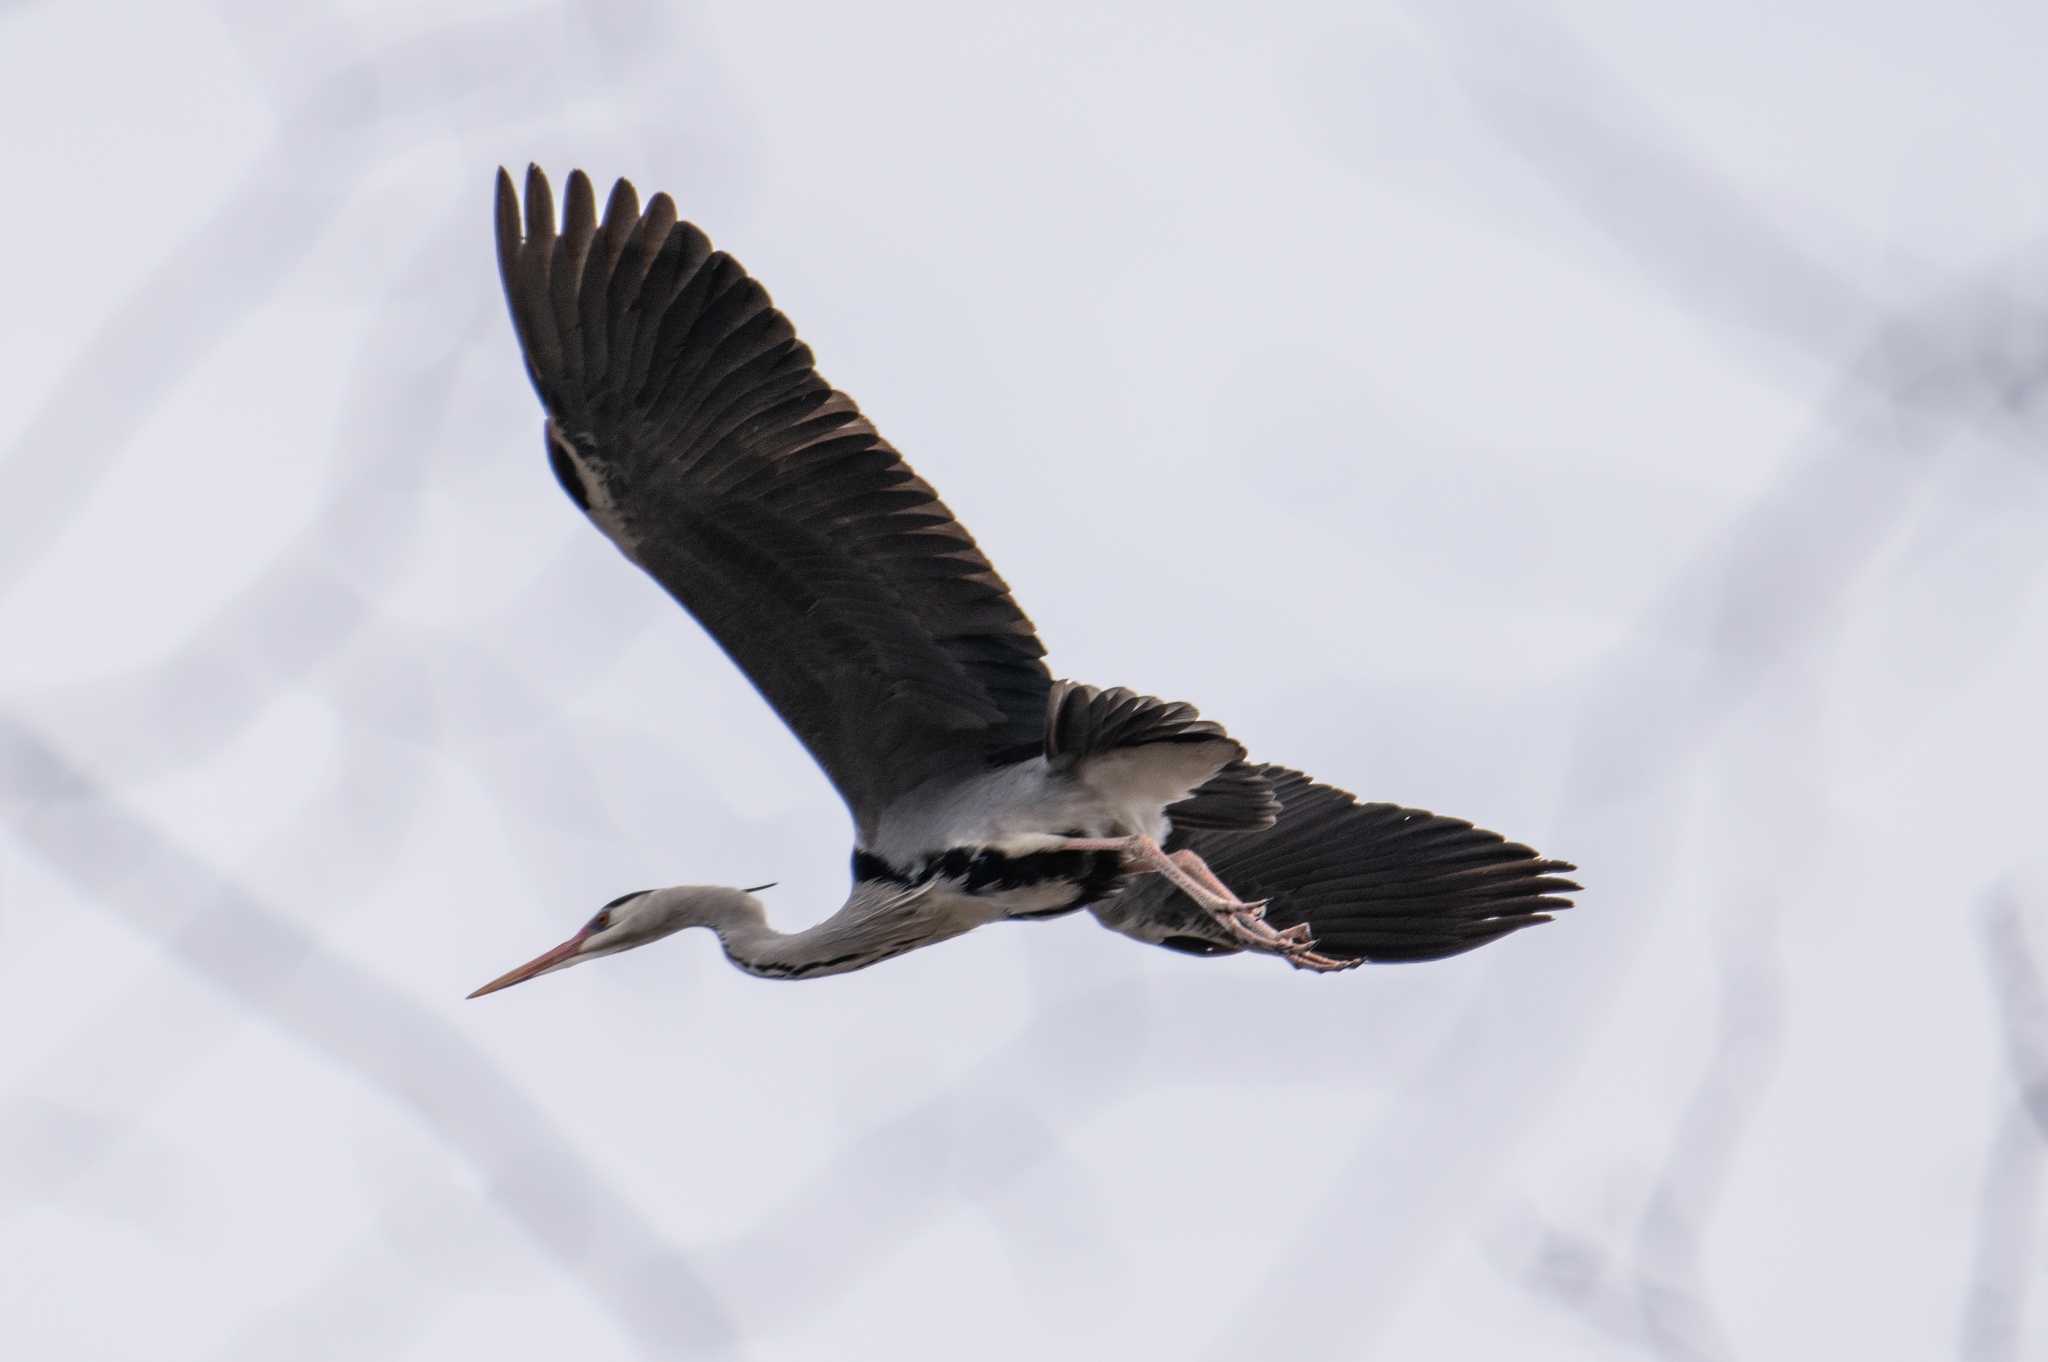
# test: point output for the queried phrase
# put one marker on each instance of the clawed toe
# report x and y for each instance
(1301, 957)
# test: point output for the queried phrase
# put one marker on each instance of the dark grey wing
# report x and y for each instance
(687, 420)
(1372, 881)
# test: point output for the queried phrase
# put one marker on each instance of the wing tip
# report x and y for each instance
(622, 208)
(507, 211)
(579, 207)
(540, 204)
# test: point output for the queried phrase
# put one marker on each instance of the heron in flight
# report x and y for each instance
(686, 420)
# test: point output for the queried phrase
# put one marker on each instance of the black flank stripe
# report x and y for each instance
(868, 866)
(1095, 875)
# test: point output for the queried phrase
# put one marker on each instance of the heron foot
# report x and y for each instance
(1294, 944)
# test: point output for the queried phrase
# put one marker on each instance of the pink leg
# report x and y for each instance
(1199, 868)
(1190, 874)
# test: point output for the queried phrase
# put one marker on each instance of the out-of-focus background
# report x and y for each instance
(1624, 427)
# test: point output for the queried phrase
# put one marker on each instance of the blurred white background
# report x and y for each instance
(1620, 426)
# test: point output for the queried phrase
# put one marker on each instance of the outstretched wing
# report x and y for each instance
(1372, 881)
(687, 420)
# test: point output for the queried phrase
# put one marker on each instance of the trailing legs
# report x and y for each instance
(1189, 873)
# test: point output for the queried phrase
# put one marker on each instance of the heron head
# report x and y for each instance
(634, 920)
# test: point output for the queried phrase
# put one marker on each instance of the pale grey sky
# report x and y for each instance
(1619, 426)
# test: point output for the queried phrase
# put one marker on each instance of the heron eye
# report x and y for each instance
(604, 914)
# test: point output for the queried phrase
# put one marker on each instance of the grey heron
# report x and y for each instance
(687, 421)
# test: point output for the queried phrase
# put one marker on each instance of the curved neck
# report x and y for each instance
(875, 922)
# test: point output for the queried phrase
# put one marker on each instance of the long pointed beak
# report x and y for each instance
(554, 959)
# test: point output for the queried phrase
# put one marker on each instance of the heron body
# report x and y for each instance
(689, 424)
